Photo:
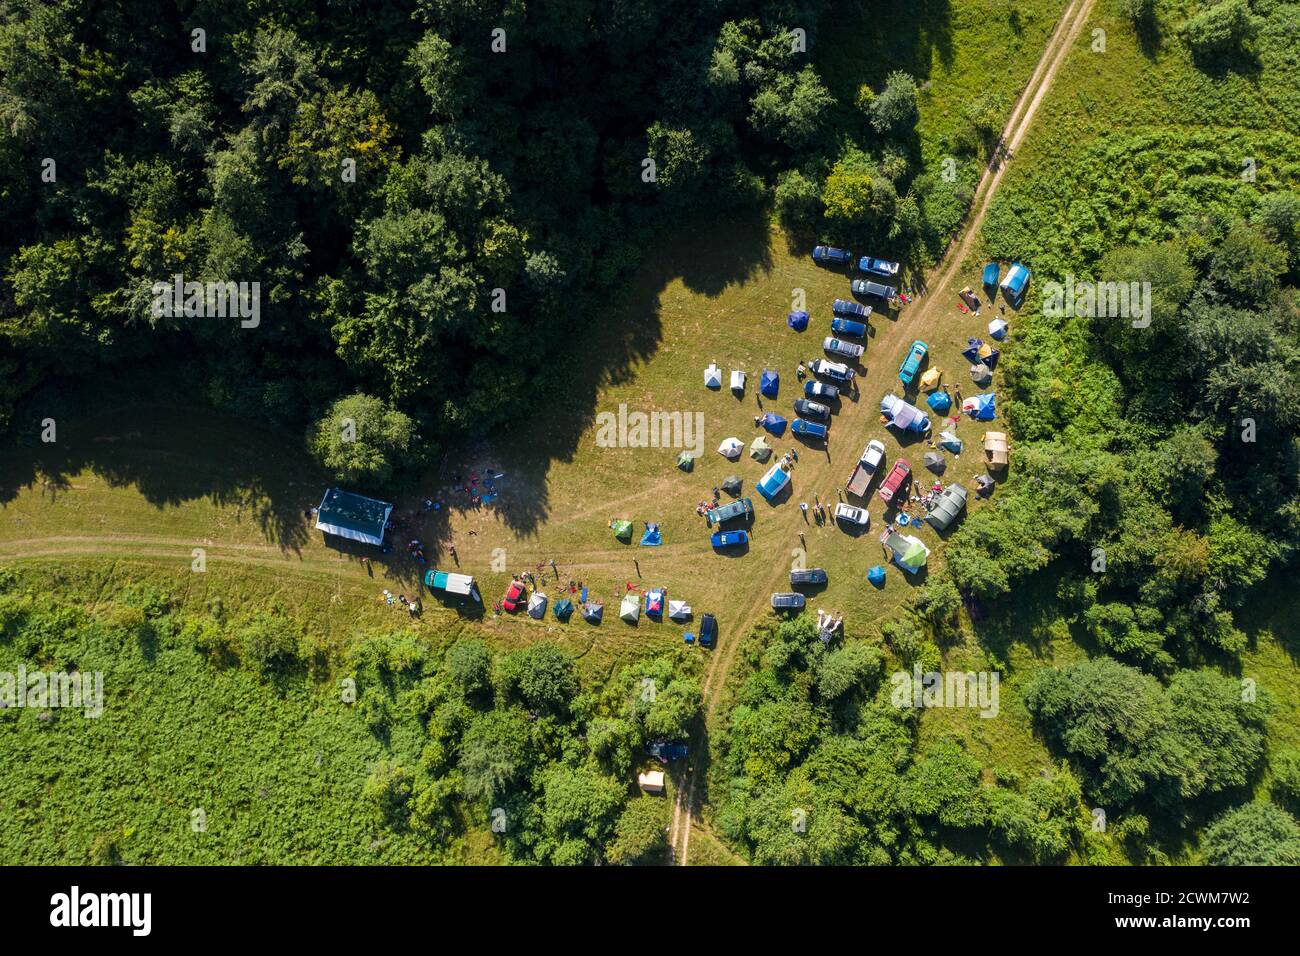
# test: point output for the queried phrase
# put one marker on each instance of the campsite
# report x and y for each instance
(639, 557)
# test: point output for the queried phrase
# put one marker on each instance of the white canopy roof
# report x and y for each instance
(738, 379)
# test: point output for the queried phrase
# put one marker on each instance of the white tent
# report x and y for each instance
(537, 605)
(713, 376)
(630, 609)
(679, 610)
(731, 448)
(737, 380)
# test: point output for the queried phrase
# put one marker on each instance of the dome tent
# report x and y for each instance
(731, 448)
(713, 376)
(769, 382)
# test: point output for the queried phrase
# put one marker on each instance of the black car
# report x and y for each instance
(829, 255)
(874, 290)
(787, 601)
(708, 630)
(813, 410)
(807, 576)
(854, 310)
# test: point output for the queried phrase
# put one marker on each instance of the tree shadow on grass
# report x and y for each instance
(173, 455)
(708, 258)
(176, 455)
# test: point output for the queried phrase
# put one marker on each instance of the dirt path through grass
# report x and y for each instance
(935, 308)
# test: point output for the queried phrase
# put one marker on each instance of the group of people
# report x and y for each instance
(412, 607)
(828, 624)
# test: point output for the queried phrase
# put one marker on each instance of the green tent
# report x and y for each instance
(909, 553)
(759, 449)
(622, 529)
(914, 555)
(686, 461)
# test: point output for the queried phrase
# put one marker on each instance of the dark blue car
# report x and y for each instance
(666, 751)
(848, 327)
(810, 429)
(830, 256)
(820, 390)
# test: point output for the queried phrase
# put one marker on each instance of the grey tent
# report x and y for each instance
(949, 506)
(686, 461)
(984, 485)
(981, 373)
(592, 612)
(731, 485)
(934, 461)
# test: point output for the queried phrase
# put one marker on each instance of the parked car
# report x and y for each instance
(850, 308)
(708, 630)
(833, 370)
(741, 508)
(831, 256)
(787, 601)
(807, 576)
(820, 390)
(666, 751)
(729, 539)
(878, 267)
(849, 327)
(810, 409)
(873, 290)
(912, 364)
(866, 467)
(812, 429)
(840, 347)
(514, 597)
(895, 480)
(846, 512)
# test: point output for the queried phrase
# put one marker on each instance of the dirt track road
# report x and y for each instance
(915, 322)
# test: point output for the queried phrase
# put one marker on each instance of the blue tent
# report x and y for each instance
(939, 401)
(876, 575)
(768, 382)
(981, 407)
(774, 423)
(797, 321)
(991, 360)
(1013, 286)
(562, 609)
(652, 538)
(991, 272)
